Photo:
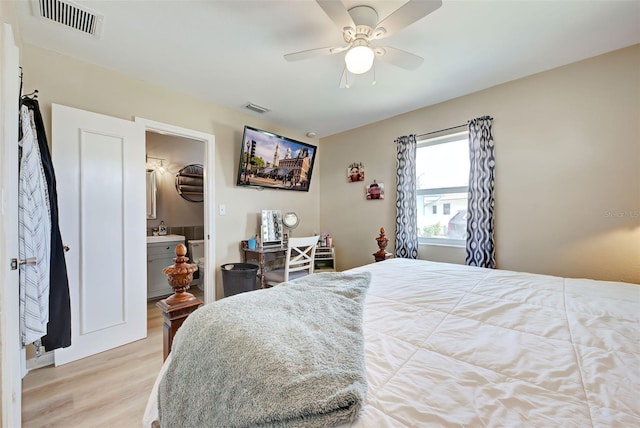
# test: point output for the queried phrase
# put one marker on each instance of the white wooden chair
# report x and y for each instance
(301, 253)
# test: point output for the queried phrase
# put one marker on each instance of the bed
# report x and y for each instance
(453, 345)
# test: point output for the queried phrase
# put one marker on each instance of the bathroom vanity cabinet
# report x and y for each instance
(161, 250)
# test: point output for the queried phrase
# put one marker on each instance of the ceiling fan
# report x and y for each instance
(360, 26)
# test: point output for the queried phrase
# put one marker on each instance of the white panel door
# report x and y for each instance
(100, 169)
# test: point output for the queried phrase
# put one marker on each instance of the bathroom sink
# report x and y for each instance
(164, 238)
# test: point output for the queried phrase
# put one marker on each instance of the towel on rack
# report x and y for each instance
(193, 181)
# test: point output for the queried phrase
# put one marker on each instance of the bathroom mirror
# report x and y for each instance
(271, 228)
(151, 194)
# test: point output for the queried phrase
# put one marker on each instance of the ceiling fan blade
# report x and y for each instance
(314, 53)
(398, 57)
(337, 12)
(406, 15)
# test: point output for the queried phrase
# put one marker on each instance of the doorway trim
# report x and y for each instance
(209, 194)
(11, 351)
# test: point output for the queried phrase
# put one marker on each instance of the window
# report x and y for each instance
(442, 177)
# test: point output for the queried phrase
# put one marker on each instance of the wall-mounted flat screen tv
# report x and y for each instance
(272, 161)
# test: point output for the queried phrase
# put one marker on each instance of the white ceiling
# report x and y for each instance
(231, 52)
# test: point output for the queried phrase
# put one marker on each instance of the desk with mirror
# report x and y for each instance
(272, 243)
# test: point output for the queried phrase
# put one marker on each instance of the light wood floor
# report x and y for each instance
(109, 389)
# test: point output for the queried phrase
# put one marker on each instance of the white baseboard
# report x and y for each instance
(44, 360)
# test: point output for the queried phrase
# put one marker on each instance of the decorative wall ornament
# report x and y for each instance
(375, 191)
(355, 172)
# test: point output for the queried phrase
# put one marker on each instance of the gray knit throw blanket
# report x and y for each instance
(288, 356)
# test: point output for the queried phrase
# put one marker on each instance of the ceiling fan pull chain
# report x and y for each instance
(373, 83)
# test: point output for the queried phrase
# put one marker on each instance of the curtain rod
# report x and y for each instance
(442, 130)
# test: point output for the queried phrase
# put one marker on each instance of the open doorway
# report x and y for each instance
(174, 216)
(167, 142)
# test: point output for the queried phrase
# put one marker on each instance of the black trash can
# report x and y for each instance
(238, 278)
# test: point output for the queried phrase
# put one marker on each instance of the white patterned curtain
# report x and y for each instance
(406, 211)
(481, 250)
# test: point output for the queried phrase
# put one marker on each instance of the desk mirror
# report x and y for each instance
(290, 220)
(271, 228)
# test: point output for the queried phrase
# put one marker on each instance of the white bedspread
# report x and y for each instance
(451, 345)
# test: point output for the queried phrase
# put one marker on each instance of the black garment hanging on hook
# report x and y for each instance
(59, 326)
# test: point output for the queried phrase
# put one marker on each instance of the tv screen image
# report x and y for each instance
(272, 161)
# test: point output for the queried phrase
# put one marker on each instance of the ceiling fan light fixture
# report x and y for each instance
(359, 59)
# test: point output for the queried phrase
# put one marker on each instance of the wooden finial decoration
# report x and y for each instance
(382, 254)
(180, 276)
(177, 307)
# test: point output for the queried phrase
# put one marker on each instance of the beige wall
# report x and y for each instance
(567, 195)
(567, 174)
(63, 80)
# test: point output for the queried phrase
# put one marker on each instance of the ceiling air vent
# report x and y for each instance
(256, 108)
(69, 14)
